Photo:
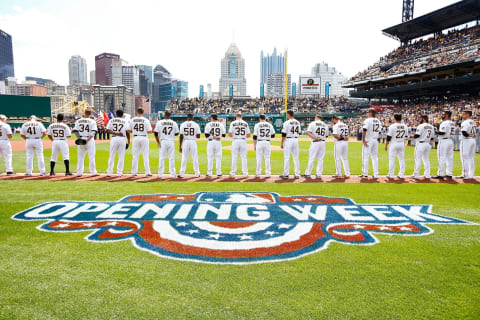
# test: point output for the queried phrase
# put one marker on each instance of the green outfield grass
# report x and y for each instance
(355, 154)
(61, 276)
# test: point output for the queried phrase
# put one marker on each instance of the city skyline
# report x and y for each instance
(195, 58)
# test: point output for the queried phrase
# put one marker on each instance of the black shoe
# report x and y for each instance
(283, 177)
(10, 173)
(68, 173)
(460, 177)
(448, 177)
(437, 177)
(363, 177)
(52, 173)
(306, 176)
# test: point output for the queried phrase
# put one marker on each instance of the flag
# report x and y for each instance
(105, 118)
(111, 115)
(99, 120)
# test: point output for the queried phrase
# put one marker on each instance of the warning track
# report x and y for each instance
(226, 178)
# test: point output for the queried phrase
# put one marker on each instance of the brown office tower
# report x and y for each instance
(103, 68)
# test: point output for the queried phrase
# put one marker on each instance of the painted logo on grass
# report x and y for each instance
(234, 227)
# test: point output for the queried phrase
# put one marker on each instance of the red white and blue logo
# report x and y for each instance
(234, 227)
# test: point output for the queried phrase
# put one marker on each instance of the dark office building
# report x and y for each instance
(6, 56)
(103, 68)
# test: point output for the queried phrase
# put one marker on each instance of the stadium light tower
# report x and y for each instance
(407, 11)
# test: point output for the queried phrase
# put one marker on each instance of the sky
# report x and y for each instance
(190, 37)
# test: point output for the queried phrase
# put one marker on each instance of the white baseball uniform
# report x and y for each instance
(33, 131)
(59, 132)
(5, 146)
(166, 129)
(239, 130)
(372, 128)
(118, 144)
(263, 132)
(317, 147)
(397, 132)
(214, 129)
(340, 150)
(86, 127)
(426, 133)
(445, 148)
(140, 127)
(467, 148)
(189, 130)
(291, 129)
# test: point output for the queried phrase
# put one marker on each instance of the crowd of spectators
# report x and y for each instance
(453, 47)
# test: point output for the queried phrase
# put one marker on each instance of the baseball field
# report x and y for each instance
(46, 275)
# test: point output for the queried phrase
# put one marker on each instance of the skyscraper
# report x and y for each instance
(333, 77)
(162, 89)
(271, 64)
(233, 73)
(103, 68)
(131, 78)
(77, 70)
(92, 77)
(148, 74)
(6, 56)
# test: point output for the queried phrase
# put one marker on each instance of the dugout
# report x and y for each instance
(19, 108)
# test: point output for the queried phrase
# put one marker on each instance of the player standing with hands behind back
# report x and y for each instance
(165, 132)
(5, 146)
(140, 127)
(214, 131)
(119, 143)
(425, 134)
(397, 133)
(318, 132)
(189, 133)
(467, 145)
(290, 132)
(58, 133)
(239, 131)
(372, 128)
(445, 146)
(33, 132)
(340, 149)
(85, 129)
(262, 133)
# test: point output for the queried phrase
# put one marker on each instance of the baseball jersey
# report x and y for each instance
(398, 132)
(32, 129)
(469, 127)
(214, 129)
(239, 129)
(425, 132)
(264, 131)
(373, 127)
(139, 126)
(59, 131)
(5, 130)
(340, 129)
(189, 130)
(448, 127)
(166, 129)
(118, 125)
(86, 127)
(291, 128)
(318, 129)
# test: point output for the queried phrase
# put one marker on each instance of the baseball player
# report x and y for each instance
(58, 133)
(318, 132)
(423, 135)
(119, 143)
(396, 135)
(214, 131)
(239, 131)
(372, 127)
(445, 134)
(290, 132)
(262, 133)
(140, 127)
(165, 132)
(189, 133)
(33, 132)
(340, 151)
(467, 145)
(5, 146)
(85, 129)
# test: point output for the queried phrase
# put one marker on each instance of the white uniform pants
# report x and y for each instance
(445, 156)
(467, 155)
(239, 146)
(81, 151)
(316, 151)
(189, 147)
(167, 148)
(290, 147)
(60, 146)
(370, 152)
(6, 151)
(214, 150)
(35, 146)
(141, 145)
(396, 150)
(340, 152)
(264, 150)
(117, 145)
(422, 154)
